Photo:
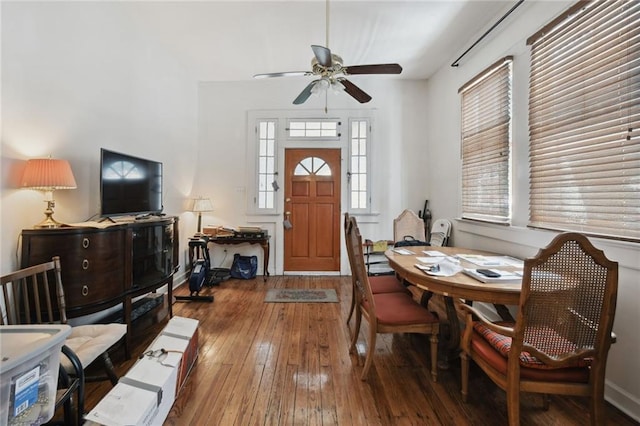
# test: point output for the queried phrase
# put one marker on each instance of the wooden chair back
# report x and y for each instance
(408, 224)
(563, 331)
(33, 295)
(362, 287)
(567, 303)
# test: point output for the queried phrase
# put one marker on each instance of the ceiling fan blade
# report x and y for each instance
(304, 95)
(373, 69)
(323, 55)
(283, 74)
(357, 93)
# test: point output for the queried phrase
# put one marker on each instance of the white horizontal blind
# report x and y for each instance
(486, 144)
(584, 121)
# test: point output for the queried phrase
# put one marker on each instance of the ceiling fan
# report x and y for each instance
(332, 74)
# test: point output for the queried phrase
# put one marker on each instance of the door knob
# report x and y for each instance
(287, 200)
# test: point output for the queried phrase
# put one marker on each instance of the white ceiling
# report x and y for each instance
(233, 40)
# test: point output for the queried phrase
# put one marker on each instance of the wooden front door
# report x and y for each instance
(312, 207)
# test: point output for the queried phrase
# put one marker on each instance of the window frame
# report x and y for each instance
(485, 147)
(584, 142)
(350, 173)
(335, 137)
(258, 172)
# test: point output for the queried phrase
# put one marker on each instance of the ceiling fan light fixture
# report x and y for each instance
(321, 86)
(337, 87)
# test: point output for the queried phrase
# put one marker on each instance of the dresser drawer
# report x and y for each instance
(93, 271)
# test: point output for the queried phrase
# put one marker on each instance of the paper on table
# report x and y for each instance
(403, 251)
(506, 277)
(429, 260)
(447, 268)
(485, 261)
(434, 253)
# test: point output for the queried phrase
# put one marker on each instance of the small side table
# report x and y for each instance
(263, 241)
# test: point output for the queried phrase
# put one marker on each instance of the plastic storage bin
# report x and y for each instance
(29, 365)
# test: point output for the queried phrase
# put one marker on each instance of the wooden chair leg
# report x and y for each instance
(434, 356)
(513, 404)
(371, 349)
(464, 374)
(108, 367)
(596, 408)
(353, 304)
(356, 331)
(546, 399)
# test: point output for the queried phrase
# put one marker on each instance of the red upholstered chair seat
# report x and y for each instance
(400, 309)
(495, 347)
(386, 284)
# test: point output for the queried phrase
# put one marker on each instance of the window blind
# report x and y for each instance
(584, 121)
(486, 144)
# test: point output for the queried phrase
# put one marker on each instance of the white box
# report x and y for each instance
(125, 405)
(185, 329)
(145, 395)
(29, 369)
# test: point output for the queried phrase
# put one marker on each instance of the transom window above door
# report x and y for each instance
(312, 166)
(314, 129)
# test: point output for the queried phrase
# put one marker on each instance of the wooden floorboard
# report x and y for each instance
(289, 364)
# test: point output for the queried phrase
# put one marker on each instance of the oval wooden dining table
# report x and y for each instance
(458, 286)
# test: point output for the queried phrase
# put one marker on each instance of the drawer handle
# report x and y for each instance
(85, 290)
(85, 242)
(85, 264)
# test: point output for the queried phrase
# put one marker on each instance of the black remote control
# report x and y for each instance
(488, 273)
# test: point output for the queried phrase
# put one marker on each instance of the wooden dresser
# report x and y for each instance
(104, 267)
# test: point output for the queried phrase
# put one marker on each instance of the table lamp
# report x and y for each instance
(48, 175)
(201, 205)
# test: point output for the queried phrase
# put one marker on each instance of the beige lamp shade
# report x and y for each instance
(202, 205)
(47, 174)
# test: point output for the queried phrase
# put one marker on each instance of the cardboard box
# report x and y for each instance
(185, 329)
(125, 405)
(145, 395)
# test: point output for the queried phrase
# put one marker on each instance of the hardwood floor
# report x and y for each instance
(288, 364)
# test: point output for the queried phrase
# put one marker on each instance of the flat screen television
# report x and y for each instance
(129, 185)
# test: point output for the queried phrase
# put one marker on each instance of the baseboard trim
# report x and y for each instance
(622, 400)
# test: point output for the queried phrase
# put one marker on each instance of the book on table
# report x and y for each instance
(504, 277)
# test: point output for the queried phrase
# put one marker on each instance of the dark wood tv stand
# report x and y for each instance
(107, 265)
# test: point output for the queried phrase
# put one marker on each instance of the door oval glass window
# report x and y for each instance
(312, 166)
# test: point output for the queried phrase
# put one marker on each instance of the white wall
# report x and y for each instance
(443, 135)
(77, 77)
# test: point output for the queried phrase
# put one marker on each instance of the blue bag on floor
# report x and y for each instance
(244, 267)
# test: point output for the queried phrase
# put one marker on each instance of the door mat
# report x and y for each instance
(316, 295)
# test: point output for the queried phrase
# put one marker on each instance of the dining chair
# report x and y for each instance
(379, 283)
(386, 312)
(440, 233)
(408, 224)
(35, 295)
(562, 333)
